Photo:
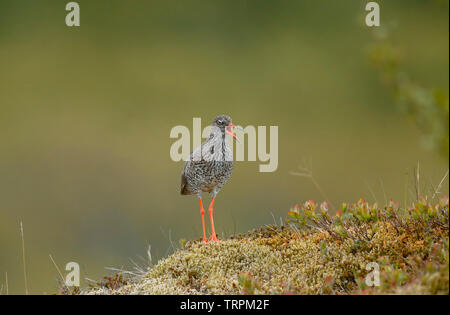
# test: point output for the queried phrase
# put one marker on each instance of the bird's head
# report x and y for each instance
(224, 123)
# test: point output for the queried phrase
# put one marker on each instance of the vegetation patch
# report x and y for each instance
(314, 253)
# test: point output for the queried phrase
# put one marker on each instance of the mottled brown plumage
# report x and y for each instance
(209, 166)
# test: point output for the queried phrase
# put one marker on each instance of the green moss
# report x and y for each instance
(315, 254)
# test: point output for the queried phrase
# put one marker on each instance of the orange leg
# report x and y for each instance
(213, 236)
(202, 212)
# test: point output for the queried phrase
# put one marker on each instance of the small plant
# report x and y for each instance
(414, 254)
(248, 283)
(113, 282)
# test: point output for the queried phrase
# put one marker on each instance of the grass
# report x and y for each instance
(312, 253)
(24, 259)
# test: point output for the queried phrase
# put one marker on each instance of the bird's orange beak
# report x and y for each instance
(229, 130)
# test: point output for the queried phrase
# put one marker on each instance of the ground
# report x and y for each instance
(314, 253)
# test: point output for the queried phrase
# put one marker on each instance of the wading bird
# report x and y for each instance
(209, 167)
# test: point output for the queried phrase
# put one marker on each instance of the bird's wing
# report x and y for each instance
(204, 152)
(196, 160)
(197, 154)
(183, 184)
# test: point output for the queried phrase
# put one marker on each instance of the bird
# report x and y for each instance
(209, 167)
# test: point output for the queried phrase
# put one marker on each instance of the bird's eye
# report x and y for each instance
(220, 122)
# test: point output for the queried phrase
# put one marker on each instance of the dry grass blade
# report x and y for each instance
(306, 170)
(371, 191)
(139, 270)
(417, 181)
(436, 191)
(384, 191)
(7, 285)
(23, 258)
(58, 270)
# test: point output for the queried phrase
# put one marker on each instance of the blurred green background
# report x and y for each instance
(85, 117)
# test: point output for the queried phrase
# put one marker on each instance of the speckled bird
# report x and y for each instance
(209, 167)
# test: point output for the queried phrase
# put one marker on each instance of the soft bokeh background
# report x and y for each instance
(85, 116)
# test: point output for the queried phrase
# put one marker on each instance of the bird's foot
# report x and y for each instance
(205, 240)
(214, 238)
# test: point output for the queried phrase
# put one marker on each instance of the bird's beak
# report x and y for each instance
(229, 130)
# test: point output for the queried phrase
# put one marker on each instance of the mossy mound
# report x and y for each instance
(315, 254)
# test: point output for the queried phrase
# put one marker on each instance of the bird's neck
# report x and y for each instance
(218, 137)
(220, 143)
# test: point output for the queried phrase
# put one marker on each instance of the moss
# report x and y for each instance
(314, 253)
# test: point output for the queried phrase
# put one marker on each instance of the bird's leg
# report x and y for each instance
(202, 212)
(213, 236)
